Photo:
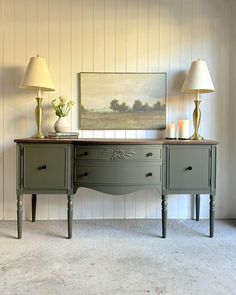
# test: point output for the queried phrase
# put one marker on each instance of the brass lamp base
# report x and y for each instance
(196, 120)
(38, 118)
(196, 137)
(38, 135)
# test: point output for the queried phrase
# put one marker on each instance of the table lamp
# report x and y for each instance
(37, 77)
(197, 81)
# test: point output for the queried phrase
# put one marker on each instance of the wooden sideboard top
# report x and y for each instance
(113, 141)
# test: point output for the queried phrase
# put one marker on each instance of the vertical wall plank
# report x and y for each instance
(143, 35)
(224, 105)
(164, 36)
(20, 63)
(186, 55)
(232, 202)
(132, 35)
(31, 50)
(153, 35)
(9, 109)
(121, 36)
(88, 35)
(99, 35)
(110, 35)
(1, 112)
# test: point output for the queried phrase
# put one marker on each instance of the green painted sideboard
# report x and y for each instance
(61, 166)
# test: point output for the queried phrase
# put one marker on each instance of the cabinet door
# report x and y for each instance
(188, 167)
(44, 167)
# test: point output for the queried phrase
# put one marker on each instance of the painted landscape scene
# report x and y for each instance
(122, 101)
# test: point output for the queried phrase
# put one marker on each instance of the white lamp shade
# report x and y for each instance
(198, 79)
(37, 75)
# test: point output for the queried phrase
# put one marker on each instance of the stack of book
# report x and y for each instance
(64, 135)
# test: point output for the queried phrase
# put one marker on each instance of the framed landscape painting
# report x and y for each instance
(122, 101)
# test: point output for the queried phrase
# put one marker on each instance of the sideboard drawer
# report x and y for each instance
(118, 174)
(188, 167)
(44, 167)
(118, 153)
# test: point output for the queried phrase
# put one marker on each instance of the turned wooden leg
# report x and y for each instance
(19, 215)
(70, 215)
(197, 207)
(34, 205)
(164, 215)
(212, 215)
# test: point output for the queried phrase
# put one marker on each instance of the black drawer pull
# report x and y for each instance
(149, 154)
(189, 168)
(42, 167)
(149, 174)
(85, 174)
(85, 153)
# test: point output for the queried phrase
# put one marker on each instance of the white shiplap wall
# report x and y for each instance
(232, 163)
(112, 35)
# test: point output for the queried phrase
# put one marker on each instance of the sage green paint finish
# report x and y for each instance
(44, 168)
(115, 169)
(189, 169)
(52, 159)
(118, 169)
(181, 160)
(135, 174)
(119, 152)
(117, 189)
(213, 169)
(177, 178)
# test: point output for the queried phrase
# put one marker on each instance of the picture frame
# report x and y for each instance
(118, 101)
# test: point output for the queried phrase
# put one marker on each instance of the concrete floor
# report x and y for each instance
(118, 257)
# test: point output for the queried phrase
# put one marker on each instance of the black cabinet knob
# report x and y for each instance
(189, 168)
(85, 153)
(85, 173)
(42, 167)
(149, 154)
(149, 174)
